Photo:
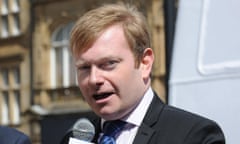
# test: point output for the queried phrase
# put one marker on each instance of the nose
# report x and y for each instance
(96, 78)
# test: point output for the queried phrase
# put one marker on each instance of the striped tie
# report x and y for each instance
(110, 130)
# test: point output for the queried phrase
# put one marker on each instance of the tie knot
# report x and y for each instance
(111, 128)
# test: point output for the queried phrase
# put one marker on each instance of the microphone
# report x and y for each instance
(82, 132)
(83, 129)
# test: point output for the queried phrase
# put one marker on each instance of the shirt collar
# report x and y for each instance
(137, 115)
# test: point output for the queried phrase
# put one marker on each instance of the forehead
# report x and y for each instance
(107, 34)
(111, 42)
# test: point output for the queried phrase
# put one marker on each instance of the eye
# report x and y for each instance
(83, 68)
(108, 65)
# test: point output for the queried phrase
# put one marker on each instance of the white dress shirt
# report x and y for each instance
(134, 119)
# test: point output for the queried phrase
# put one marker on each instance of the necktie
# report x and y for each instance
(110, 130)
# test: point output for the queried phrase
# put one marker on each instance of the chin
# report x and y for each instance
(110, 116)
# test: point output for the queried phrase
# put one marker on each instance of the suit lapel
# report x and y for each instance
(143, 135)
(146, 130)
(97, 124)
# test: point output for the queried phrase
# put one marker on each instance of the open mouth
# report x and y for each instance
(102, 95)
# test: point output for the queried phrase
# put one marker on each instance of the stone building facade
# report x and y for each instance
(36, 71)
(14, 63)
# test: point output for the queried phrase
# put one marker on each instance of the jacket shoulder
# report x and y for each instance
(12, 136)
(188, 127)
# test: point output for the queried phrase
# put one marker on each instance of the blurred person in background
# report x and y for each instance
(12, 136)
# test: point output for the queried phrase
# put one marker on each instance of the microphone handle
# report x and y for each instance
(77, 141)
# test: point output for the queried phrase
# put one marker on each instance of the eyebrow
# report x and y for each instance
(82, 61)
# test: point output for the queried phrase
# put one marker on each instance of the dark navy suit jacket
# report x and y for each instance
(164, 124)
(12, 136)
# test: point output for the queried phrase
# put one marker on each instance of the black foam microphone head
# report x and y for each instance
(83, 129)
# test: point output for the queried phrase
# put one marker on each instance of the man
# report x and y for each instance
(113, 57)
(11, 136)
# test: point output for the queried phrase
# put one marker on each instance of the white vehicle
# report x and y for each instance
(205, 68)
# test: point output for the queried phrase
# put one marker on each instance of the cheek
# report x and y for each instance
(128, 81)
(82, 86)
(82, 81)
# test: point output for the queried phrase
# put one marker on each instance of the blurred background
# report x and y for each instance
(38, 90)
(197, 66)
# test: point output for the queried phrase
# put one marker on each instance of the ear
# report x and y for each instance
(147, 63)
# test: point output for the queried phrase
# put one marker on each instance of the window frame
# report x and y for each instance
(10, 95)
(60, 40)
(10, 19)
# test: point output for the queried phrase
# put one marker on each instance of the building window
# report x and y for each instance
(4, 7)
(16, 107)
(10, 18)
(5, 78)
(63, 74)
(10, 95)
(5, 115)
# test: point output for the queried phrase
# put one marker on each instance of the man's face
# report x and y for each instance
(107, 76)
